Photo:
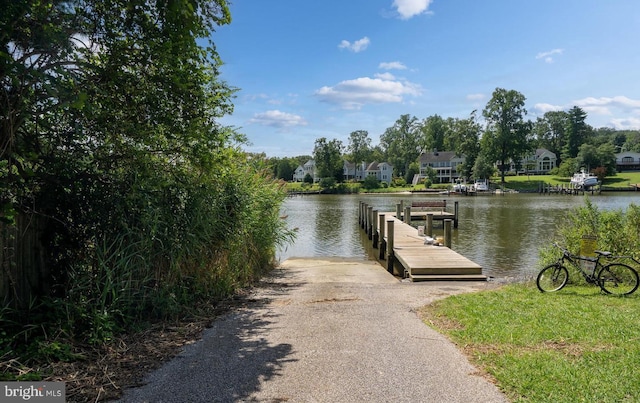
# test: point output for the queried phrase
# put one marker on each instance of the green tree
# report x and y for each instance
(568, 167)
(506, 135)
(549, 132)
(359, 148)
(434, 130)
(284, 168)
(464, 139)
(483, 167)
(577, 132)
(414, 169)
(328, 158)
(401, 143)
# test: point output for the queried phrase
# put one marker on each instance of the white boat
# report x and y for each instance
(459, 187)
(481, 185)
(583, 180)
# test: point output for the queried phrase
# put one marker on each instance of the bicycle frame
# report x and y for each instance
(574, 260)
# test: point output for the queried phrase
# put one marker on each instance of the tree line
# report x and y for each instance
(500, 135)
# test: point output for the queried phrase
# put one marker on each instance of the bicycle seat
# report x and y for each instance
(603, 253)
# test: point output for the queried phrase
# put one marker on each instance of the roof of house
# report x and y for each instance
(437, 156)
(541, 151)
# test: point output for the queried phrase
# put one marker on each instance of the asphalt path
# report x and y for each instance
(323, 330)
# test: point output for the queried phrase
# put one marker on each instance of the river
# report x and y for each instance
(502, 233)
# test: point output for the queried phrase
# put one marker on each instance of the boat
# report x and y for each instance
(481, 185)
(459, 187)
(583, 180)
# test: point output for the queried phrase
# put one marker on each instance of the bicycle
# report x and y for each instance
(613, 278)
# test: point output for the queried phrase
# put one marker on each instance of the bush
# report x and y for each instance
(371, 182)
(398, 182)
(328, 183)
(617, 231)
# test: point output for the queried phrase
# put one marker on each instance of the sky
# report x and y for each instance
(307, 69)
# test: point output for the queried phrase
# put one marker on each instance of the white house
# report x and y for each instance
(354, 171)
(302, 170)
(383, 171)
(445, 164)
(540, 162)
(298, 174)
(627, 161)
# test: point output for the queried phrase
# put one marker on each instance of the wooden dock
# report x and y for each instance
(406, 254)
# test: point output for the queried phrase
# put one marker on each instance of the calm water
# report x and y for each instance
(501, 233)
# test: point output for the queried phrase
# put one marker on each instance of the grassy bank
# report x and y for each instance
(576, 345)
(619, 181)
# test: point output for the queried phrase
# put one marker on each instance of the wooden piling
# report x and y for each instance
(383, 242)
(429, 226)
(407, 215)
(374, 230)
(390, 253)
(455, 214)
(447, 233)
(399, 211)
(370, 221)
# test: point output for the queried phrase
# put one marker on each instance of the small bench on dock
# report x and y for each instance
(429, 205)
(436, 208)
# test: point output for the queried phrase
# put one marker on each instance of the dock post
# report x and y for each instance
(429, 229)
(365, 217)
(399, 211)
(383, 242)
(374, 222)
(362, 214)
(370, 221)
(390, 256)
(447, 233)
(407, 215)
(455, 214)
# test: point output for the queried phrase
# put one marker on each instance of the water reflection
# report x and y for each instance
(501, 233)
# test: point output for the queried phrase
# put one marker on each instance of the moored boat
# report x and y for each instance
(481, 185)
(583, 180)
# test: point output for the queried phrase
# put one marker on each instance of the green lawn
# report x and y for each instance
(531, 182)
(576, 345)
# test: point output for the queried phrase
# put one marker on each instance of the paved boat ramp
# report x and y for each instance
(404, 250)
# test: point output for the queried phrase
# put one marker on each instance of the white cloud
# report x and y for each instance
(548, 56)
(619, 101)
(544, 108)
(353, 94)
(385, 76)
(622, 111)
(411, 8)
(626, 124)
(357, 46)
(276, 118)
(392, 66)
(475, 97)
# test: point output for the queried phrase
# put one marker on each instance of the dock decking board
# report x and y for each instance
(427, 262)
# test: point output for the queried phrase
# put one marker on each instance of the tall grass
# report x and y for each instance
(156, 245)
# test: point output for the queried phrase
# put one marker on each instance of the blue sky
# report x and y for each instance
(307, 69)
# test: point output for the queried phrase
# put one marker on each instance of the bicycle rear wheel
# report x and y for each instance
(618, 279)
(552, 278)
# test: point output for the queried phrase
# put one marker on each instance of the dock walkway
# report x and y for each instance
(408, 256)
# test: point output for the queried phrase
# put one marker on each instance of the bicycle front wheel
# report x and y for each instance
(552, 278)
(618, 279)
